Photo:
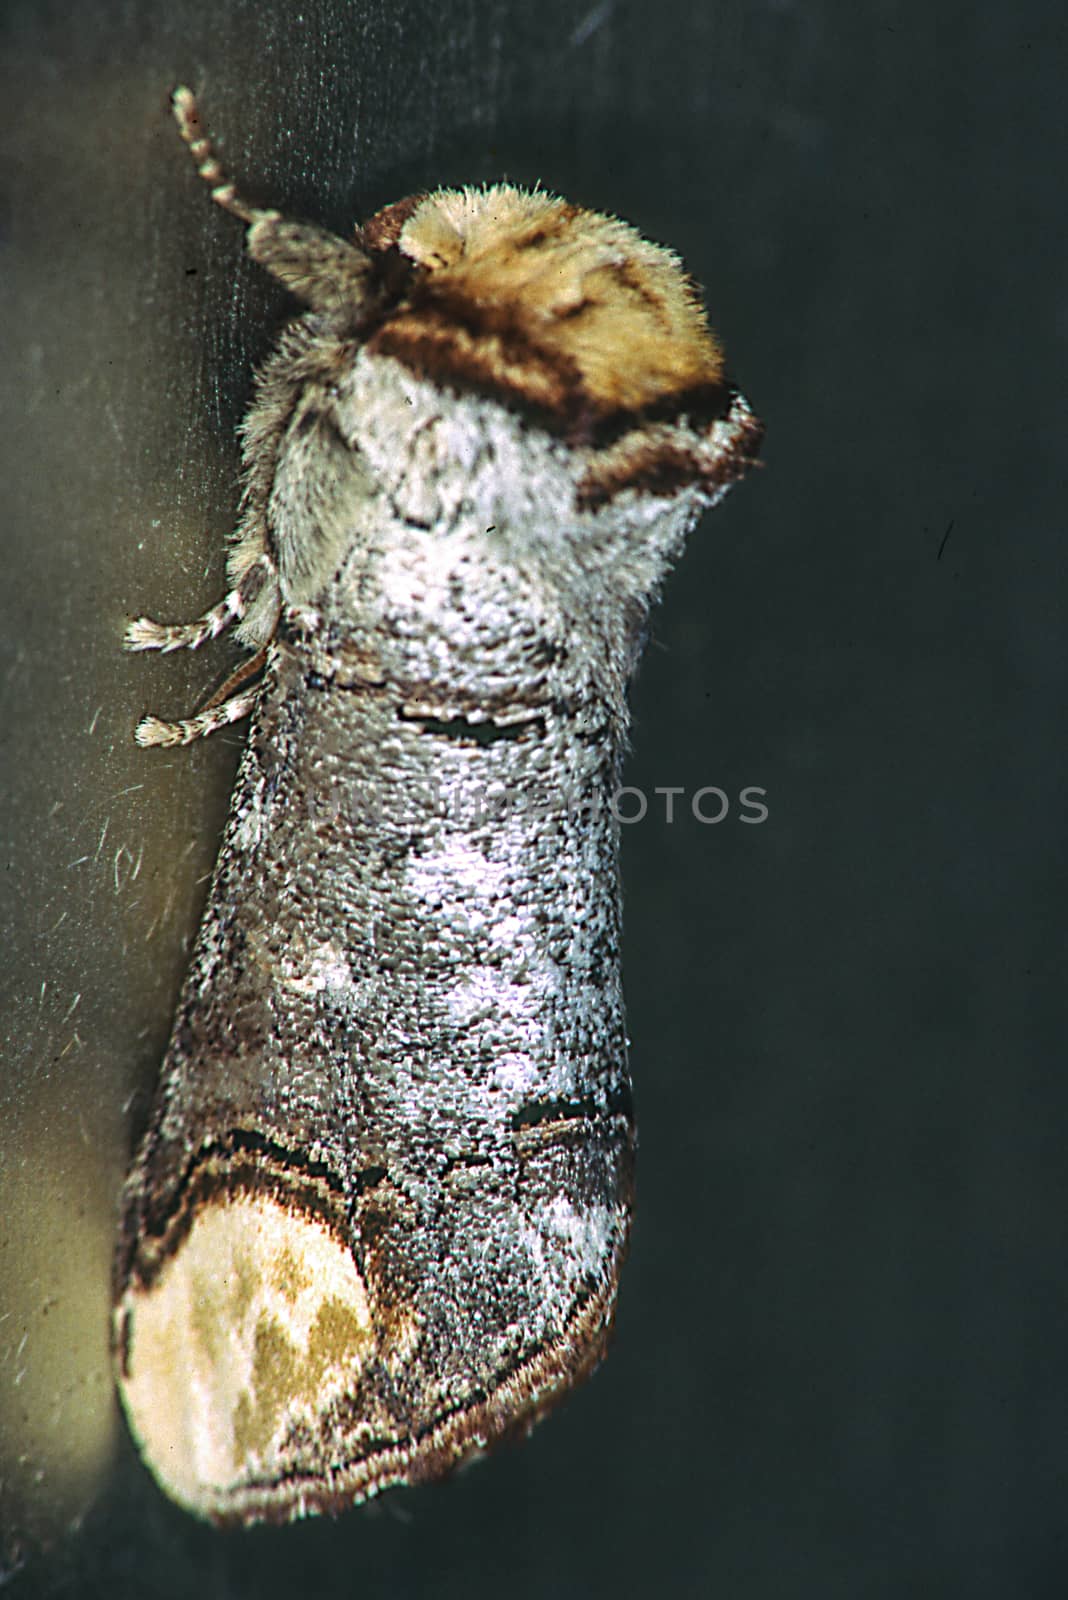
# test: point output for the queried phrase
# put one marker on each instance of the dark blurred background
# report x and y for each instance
(840, 1364)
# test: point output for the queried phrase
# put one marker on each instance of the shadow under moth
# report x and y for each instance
(377, 1218)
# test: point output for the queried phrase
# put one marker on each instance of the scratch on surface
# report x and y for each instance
(72, 1008)
(95, 719)
(103, 836)
(119, 854)
(591, 22)
(945, 538)
(113, 420)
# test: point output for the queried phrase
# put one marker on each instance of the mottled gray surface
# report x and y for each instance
(407, 979)
(839, 1367)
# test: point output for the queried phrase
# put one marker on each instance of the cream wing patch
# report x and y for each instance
(258, 1321)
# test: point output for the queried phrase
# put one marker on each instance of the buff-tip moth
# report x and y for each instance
(377, 1218)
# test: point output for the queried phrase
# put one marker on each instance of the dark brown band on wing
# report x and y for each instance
(657, 462)
(383, 230)
(474, 355)
(449, 338)
(244, 1163)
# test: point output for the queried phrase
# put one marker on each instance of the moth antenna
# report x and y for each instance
(224, 190)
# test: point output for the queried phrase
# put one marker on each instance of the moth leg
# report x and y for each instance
(145, 634)
(154, 731)
(241, 674)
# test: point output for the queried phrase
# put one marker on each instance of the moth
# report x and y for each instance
(377, 1219)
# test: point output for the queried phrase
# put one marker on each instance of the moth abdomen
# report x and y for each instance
(377, 1221)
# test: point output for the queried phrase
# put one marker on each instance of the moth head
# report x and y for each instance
(543, 303)
(513, 293)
